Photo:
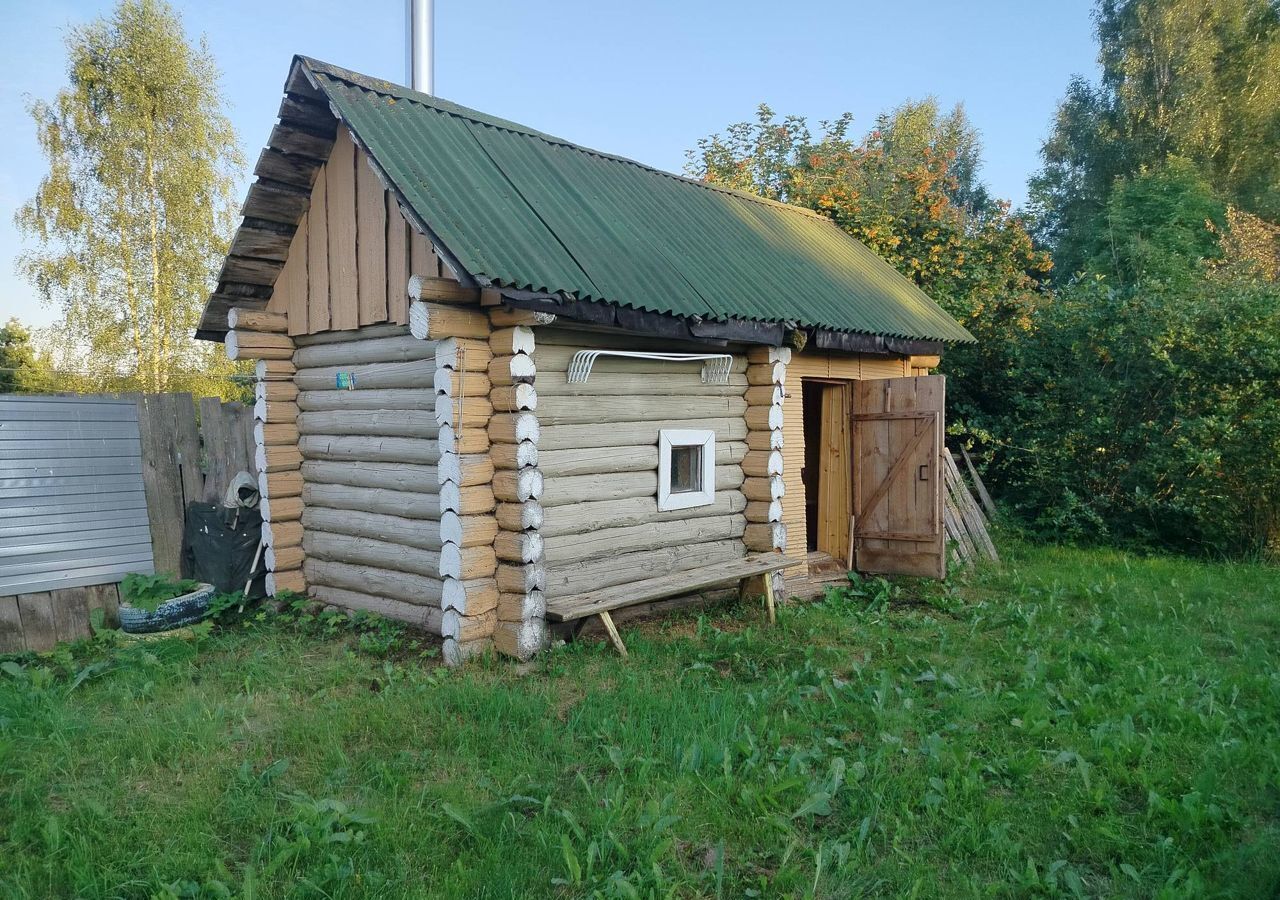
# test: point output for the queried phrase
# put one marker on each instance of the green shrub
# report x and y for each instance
(147, 592)
(1150, 415)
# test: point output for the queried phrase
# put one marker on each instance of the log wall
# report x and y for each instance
(465, 472)
(372, 527)
(598, 462)
(765, 486)
(262, 335)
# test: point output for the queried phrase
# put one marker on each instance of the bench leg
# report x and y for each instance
(614, 637)
(768, 597)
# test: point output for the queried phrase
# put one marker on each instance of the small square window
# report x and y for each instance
(686, 468)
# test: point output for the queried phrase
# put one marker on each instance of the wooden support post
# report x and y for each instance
(768, 597)
(614, 637)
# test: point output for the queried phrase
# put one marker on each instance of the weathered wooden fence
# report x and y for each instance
(188, 451)
(188, 457)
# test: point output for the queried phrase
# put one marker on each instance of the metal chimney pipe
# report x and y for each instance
(419, 47)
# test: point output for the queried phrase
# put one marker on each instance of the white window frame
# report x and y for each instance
(686, 437)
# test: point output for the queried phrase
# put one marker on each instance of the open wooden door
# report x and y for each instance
(835, 492)
(897, 430)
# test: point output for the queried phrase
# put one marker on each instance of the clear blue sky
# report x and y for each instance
(643, 80)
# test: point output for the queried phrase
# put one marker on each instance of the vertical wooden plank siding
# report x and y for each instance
(422, 259)
(318, 256)
(371, 244)
(344, 313)
(295, 277)
(350, 260)
(397, 263)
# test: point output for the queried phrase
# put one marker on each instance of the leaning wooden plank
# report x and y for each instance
(683, 582)
(987, 503)
(969, 511)
(964, 552)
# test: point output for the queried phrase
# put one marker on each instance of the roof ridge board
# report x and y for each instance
(399, 91)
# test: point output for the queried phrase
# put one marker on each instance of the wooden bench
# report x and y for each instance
(602, 602)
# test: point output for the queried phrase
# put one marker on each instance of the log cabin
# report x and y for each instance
(503, 379)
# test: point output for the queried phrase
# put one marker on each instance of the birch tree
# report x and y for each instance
(135, 213)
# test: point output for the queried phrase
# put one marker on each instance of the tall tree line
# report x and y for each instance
(130, 222)
(1194, 80)
(1126, 383)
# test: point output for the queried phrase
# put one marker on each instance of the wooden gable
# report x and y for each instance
(350, 260)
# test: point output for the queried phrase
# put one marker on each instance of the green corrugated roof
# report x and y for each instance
(522, 209)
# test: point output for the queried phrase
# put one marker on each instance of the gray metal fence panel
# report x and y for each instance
(73, 509)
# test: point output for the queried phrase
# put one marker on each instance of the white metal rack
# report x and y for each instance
(715, 371)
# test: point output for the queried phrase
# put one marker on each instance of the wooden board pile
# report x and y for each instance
(964, 520)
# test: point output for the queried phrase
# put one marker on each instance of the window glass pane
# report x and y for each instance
(686, 469)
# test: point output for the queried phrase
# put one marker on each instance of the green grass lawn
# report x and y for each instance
(1074, 723)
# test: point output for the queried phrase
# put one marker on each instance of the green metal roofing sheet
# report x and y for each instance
(525, 210)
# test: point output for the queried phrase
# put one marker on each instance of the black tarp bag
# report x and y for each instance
(219, 545)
